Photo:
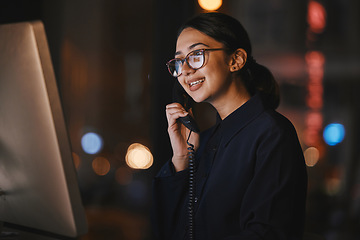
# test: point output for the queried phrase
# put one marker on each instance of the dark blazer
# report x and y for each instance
(251, 181)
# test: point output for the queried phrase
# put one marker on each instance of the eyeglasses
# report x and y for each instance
(195, 60)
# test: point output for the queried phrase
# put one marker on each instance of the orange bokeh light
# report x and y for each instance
(101, 166)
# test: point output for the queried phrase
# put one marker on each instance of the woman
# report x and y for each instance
(250, 178)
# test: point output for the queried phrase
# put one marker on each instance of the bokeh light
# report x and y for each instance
(316, 16)
(138, 156)
(210, 5)
(101, 166)
(334, 133)
(91, 143)
(312, 156)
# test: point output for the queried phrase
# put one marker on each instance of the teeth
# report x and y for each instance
(196, 82)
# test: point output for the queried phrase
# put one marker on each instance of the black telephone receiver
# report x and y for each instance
(180, 96)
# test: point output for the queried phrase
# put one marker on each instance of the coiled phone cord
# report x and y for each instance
(191, 150)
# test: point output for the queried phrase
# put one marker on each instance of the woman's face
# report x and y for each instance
(211, 82)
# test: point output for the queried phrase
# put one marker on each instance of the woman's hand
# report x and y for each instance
(179, 134)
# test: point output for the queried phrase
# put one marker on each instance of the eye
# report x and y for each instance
(196, 59)
(198, 53)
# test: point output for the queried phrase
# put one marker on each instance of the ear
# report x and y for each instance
(238, 60)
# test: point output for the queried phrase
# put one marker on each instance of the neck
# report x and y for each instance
(235, 98)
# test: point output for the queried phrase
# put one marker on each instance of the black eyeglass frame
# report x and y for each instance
(203, 50)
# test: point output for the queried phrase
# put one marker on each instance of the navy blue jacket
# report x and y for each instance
(251, 181)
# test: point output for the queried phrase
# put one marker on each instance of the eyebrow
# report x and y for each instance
(192, 47)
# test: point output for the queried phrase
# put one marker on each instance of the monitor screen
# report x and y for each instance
(38, 181)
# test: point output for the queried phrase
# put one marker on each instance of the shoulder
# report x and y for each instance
(271, 120)
(271, 128)
(276, 133)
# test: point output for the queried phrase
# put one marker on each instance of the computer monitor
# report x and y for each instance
(38, 182)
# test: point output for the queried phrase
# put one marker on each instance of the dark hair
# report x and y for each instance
(232, 34)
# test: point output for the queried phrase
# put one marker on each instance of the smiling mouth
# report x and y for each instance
(196, 82)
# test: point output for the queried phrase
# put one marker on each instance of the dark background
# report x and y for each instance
(109, 58)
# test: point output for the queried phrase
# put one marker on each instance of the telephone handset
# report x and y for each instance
(180, 96)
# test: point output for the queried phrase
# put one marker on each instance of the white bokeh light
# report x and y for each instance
(138, 156)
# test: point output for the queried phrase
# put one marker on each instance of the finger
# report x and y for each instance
(172, 112)
(175, 110)
(174, 104)
(173, 115)
(173, 107)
